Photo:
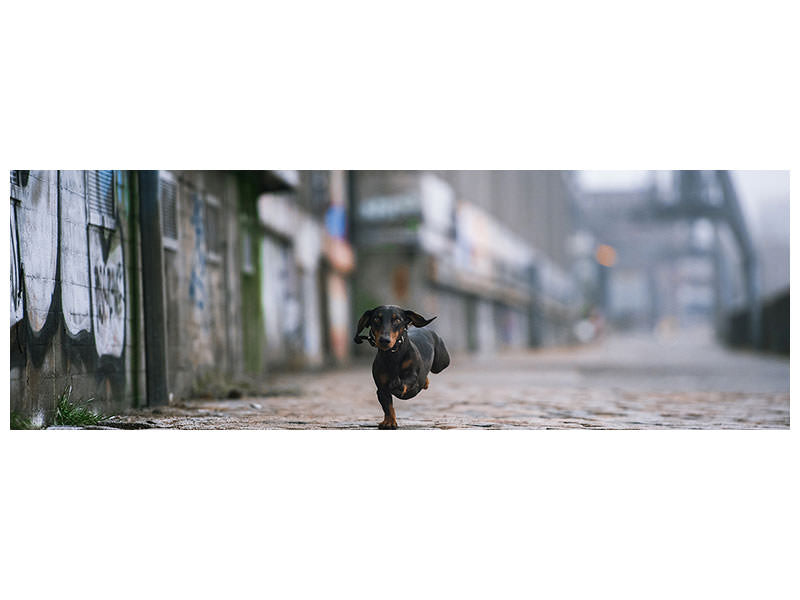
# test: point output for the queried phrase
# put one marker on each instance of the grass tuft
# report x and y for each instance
(75, 414)
(20, 422)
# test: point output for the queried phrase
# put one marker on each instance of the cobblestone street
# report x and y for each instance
(686, 382)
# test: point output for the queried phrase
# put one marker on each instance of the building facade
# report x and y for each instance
(254, 274)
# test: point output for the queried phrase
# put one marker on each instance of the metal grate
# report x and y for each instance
(100, 192)
(213, 228)
(168, 199)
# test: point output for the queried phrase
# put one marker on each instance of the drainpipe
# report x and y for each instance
(132, 200)
(153, 290)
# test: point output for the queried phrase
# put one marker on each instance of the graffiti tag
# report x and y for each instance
(108, 291)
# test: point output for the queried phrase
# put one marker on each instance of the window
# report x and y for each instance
(213, 225)
(100, 198)
(19, 179)
(168, 200)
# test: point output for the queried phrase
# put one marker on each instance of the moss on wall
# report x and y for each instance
(252, 319)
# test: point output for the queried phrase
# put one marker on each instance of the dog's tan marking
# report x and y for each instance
(425, 387)
(406, 363)
(389, 420)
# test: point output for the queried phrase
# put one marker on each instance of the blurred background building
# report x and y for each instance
(136, 288)
(486, 251)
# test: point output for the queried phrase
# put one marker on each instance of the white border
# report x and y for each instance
(618, 84)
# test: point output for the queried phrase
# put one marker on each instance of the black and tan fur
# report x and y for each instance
(404, 357)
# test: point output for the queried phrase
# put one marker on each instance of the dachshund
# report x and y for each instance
(404, 357)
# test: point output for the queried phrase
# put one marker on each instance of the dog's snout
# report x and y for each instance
(384, 340)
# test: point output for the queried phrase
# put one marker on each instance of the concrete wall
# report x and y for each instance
(202, 283)
(75, 281)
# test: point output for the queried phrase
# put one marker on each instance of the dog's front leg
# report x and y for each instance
(389, 420)
(406, 385)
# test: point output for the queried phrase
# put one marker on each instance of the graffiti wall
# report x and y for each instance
(74, 250)
(68, 286)
(244, 289)
(38, 240)
(201, 310)
(107, 271)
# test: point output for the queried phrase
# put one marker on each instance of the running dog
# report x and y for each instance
(404, 357)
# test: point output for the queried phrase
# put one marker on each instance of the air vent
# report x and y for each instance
(100, 193)
(168, 198)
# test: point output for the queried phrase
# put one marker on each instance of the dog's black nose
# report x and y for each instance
(384, 341)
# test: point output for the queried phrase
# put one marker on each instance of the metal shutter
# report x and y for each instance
(100, 193)
(168, 198)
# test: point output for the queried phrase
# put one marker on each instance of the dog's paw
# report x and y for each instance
(387, 424)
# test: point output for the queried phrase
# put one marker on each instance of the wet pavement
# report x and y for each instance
(634, 382)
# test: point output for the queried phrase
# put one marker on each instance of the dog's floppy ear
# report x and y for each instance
(415, 319)
(362, 322)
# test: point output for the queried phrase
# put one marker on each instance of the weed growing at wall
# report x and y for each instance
(77, 413)
(18, 421)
